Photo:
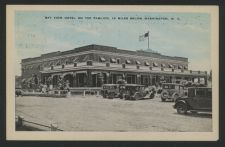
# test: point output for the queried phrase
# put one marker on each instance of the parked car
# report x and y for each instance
(110, 91)
(19, 92)
(172, 91)
(134, 92)
(197, 99)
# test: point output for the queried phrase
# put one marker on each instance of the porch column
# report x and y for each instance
(89, 79)
(138, 81)
(150, 80)
(110, 78)
(173, 79)
(107, 78)
(74, 79)
(125, 76)
(206, 81)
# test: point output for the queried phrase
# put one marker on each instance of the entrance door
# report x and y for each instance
(81, 79)
(69, 78)
(55, 80)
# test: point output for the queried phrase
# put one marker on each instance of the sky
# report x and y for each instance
(173, 34)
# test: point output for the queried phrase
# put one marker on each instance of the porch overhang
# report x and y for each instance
(118, 68)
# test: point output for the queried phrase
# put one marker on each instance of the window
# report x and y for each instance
(191, 92)
(165, 87)
(172, 86)
(177, 87)
(200, 92)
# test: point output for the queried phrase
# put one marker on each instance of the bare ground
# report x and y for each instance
(93, 113)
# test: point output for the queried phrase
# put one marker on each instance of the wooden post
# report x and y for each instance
(97, 93)
(20, 121)
(84, 93)
(54, 127)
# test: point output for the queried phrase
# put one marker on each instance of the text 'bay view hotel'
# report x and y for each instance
(92, 65)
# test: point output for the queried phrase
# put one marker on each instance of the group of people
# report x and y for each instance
(61, 85)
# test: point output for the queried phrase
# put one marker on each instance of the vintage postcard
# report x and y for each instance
(89, 72)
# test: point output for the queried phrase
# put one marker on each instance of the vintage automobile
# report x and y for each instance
(172, 91)
(135, 92)
(19, 92)
(110, 91)
(197, 99)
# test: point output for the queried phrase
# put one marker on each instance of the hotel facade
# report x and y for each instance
(94, 65)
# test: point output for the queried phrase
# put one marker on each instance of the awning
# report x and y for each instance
(146, 63)
(138, 62)
(128, 62)
(79, 72)
(66, 61)
(58, 63)
(113, 60)
(163, 65)
(29, 79)
(170, 66)
(95, 72)
(23, 80)
(155, 64)
(75, 59)
(45, 64)
(180, 66)
(102, 59)
(51, 63)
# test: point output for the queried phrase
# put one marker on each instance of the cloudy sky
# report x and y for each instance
(174, 34)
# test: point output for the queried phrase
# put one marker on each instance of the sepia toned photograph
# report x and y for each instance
(112, 73)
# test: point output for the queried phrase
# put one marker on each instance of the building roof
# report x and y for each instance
(107, 49)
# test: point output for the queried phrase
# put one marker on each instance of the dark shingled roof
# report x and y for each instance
(104, 48)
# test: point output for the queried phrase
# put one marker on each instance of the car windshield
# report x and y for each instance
(169, 86)
(134, 88)
(109, 87)
(200, 92)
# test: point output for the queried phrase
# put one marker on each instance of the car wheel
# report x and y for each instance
(194, 112)
(152, 95)
(181, 108)
(121, 96)
(111, 95)
(164, 95)
(163, 100)
(136, 97)
(175, 97)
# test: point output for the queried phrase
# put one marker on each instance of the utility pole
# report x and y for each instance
(148, 39)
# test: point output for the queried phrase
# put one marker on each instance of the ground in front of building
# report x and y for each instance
(91, 113)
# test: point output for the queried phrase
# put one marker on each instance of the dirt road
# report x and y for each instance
(93, 113)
